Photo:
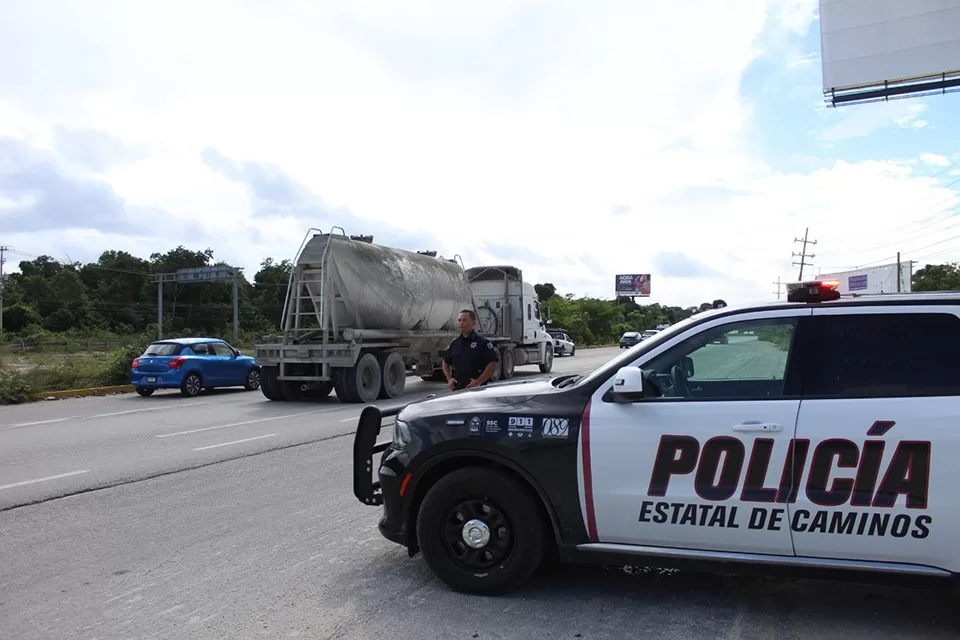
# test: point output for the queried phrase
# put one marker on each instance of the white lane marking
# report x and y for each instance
(56, 477)
(224, 444)
(240, 424)
(353, 419)
(103, 415)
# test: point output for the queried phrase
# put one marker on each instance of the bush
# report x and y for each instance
(117, 368)
(14, 387)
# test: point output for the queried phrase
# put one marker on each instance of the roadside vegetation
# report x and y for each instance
(73, 325)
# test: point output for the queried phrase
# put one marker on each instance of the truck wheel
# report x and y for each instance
(393, 379)
(323, 390)
(361, 382)
(480, 531)
(291, 389)
(436, 376)
(269, 385)
(507, 363)
(547, 365)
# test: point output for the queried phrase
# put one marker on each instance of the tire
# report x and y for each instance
(393, 375)
(290, 389)
(253, 380)
(361, 382)
(547, 367)
(508, 361)
(325, 388)
(498, 372)
(573, 351)
(145, 391)
(436, 376)
(440, 538)
(269, 385)
(192, 385)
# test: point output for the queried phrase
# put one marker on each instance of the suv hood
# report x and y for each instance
(495, 397)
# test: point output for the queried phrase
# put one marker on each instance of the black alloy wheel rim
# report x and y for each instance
(483, 523)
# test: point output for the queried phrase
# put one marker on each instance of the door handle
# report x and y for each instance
(767, 427)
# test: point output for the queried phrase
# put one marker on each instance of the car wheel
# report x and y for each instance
(253, 380)
(144, 391)
(480, 531)
(192, 385)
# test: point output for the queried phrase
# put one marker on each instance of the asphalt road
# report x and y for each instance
(56, 448)
(266, 540)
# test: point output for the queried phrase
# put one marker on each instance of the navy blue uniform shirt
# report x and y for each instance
(469, 356)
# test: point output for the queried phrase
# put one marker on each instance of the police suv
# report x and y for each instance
(789, 436)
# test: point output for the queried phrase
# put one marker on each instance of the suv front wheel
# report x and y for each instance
(480, 531)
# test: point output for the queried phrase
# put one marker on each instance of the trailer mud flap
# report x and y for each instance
(365, 446)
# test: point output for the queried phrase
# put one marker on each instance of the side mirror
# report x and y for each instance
(628, 385)
(686, 364)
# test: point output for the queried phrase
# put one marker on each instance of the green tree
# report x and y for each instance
(937, 277)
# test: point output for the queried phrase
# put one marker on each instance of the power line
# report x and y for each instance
(778, 283)
(803, 254)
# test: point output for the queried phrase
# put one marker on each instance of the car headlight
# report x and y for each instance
(401, 434)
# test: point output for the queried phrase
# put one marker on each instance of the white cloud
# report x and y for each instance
(577, 140)
(935, 159)
(862, 120)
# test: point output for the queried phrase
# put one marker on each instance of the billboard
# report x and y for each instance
(877, 49)
(873, 280)
(633, 284)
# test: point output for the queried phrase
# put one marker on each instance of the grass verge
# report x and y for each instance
(22, 379)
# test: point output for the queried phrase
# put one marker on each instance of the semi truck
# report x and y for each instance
(359, 318)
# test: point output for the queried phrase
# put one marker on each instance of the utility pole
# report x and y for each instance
(778, 283)
(899, 274)
(803, 254)
(3, 250)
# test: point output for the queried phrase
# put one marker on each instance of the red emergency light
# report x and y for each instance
(813, 291)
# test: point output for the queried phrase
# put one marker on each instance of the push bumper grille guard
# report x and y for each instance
(365, 446)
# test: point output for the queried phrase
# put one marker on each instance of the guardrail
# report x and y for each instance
(78, 346)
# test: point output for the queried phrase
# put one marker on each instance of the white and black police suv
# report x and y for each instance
(818, 434)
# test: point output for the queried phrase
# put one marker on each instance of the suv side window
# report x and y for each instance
(739, 360)
(885, 355)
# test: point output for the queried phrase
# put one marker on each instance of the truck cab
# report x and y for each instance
(509, 313)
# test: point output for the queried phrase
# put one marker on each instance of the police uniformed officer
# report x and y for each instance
(472, 357)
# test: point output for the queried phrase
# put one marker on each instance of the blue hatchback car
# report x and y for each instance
(191, 365)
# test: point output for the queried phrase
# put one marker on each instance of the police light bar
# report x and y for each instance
(813, 291)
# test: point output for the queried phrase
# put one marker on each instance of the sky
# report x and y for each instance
(688, 140)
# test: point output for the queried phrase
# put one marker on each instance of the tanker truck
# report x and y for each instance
(359, 318)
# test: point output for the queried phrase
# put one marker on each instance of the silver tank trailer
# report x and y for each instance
(388, 289)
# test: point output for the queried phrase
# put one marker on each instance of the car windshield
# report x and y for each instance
(162, 349)
(650, 343)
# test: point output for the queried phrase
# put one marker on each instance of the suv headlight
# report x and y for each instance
(401, 434)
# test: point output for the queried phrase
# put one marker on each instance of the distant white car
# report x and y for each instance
(562, 344)
(649, 333)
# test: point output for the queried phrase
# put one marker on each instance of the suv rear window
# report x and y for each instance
(888, 355)
(162, 349)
